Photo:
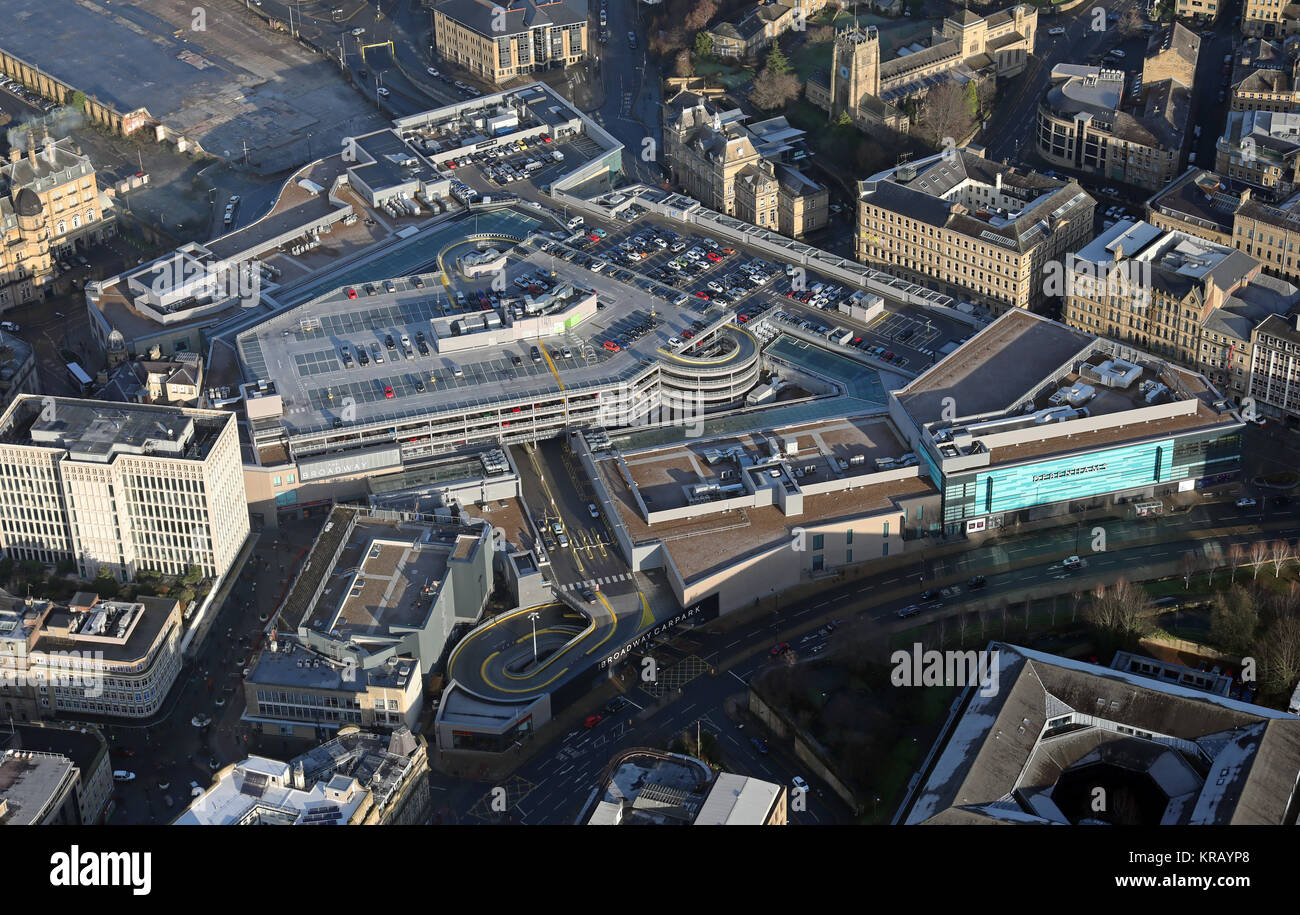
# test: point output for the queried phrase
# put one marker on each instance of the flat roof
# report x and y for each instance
(1001, 363)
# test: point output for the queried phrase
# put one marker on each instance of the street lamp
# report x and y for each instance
(534, 617)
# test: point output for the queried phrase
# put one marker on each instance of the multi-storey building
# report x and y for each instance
(92, 657)
(742, 169)
(499, 41)
(81, 743)
(970, 226)
(1082, 125)
(761, 25)
(119, 487)
(1274, 380)
(50, 206)
(1270, 18)
(965, 45)
(1200, 11)
(358, 778)
(17, 368)
(1260, 148)
(1266, 75)
(1178, 296)
(347, 662)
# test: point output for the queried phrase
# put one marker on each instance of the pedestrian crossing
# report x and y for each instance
(596, 582)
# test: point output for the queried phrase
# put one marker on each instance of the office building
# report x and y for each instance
(1264, 75)
(88, 658)
(1274, 380)
(51, 207)
(121, 488)
(1270, 18)
(499, 41)
(742, 170)
(359, 778)
(1035, 750)
(1174, 295)
(84, 745)
(645, 787)
(1260, 148)
(971, 227)
(362, 654)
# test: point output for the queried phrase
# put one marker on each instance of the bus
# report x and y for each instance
(79, 378)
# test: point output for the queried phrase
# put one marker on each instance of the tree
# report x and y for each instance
(946, 114)
(777, 62)
(775, 90)
(683, 66)
(1235, 556)
(1279, 551)
(1258, 553)
(1279, 655)
(105, 584)
(1119, 612)
(700, 14)
(1234, 618)
(1130, 23)
(703, 45)
(193, 575)
(1189, 568)
(79, 100)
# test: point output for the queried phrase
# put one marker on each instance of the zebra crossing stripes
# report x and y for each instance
(593, 582)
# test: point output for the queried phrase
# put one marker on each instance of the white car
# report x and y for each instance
(10, 326)
(201, 721)
(431, 71)
(675, 341)
(1073, 562)
(799, 783)
(357, 33)
(121, 775)
(1059, 30)
(592, 510)
(1246, 503)
(382, 91)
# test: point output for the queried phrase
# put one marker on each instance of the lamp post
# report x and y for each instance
(534, 616)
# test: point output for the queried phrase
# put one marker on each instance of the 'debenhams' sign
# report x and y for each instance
(649, 634)
(1073, 471)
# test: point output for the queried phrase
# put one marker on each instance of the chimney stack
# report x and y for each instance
(998, 182)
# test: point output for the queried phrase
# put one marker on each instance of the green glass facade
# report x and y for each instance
(1085, 476)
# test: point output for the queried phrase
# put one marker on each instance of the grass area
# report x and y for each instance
(904, 760)
(725, 74)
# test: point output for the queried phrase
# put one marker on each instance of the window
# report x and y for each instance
(848, 537)
(276, 481)
(818, 563)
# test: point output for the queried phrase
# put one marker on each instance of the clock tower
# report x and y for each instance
(855, 68)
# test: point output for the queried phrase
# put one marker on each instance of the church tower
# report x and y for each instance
(855, 68)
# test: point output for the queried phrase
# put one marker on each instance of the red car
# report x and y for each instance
(702, 295)
(352, 293)
(546, 139)
(713, 256)
(780, 649)
(687, 334)
(889, 356)
(593, 720)
(612, 346)
(388, 391)
(856, 341)
(593, 237)
(742, 318)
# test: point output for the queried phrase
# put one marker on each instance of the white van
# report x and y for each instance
(455, 370)
(575, 222)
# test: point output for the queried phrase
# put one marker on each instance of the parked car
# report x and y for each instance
(1246, 503)
(759, 744)
(909, 610)
(979, 581)
(122, 775)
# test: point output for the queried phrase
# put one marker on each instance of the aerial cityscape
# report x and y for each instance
(649, 412)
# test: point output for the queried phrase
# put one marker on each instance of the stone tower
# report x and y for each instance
(855, 68)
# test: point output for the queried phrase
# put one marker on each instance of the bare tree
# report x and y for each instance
(1004, 621)
(946, 113)
(1189, 568)
(1258, 553)
(682, 65)
(1235, 556)
(1279, 659)
(983, 615)
(775, 90)
(1279, 551)
(699, 15)
(1130, 23)
(963, 623)
(1120, 610)
(1028, 605)
(1234, 617)
(1076, 598)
